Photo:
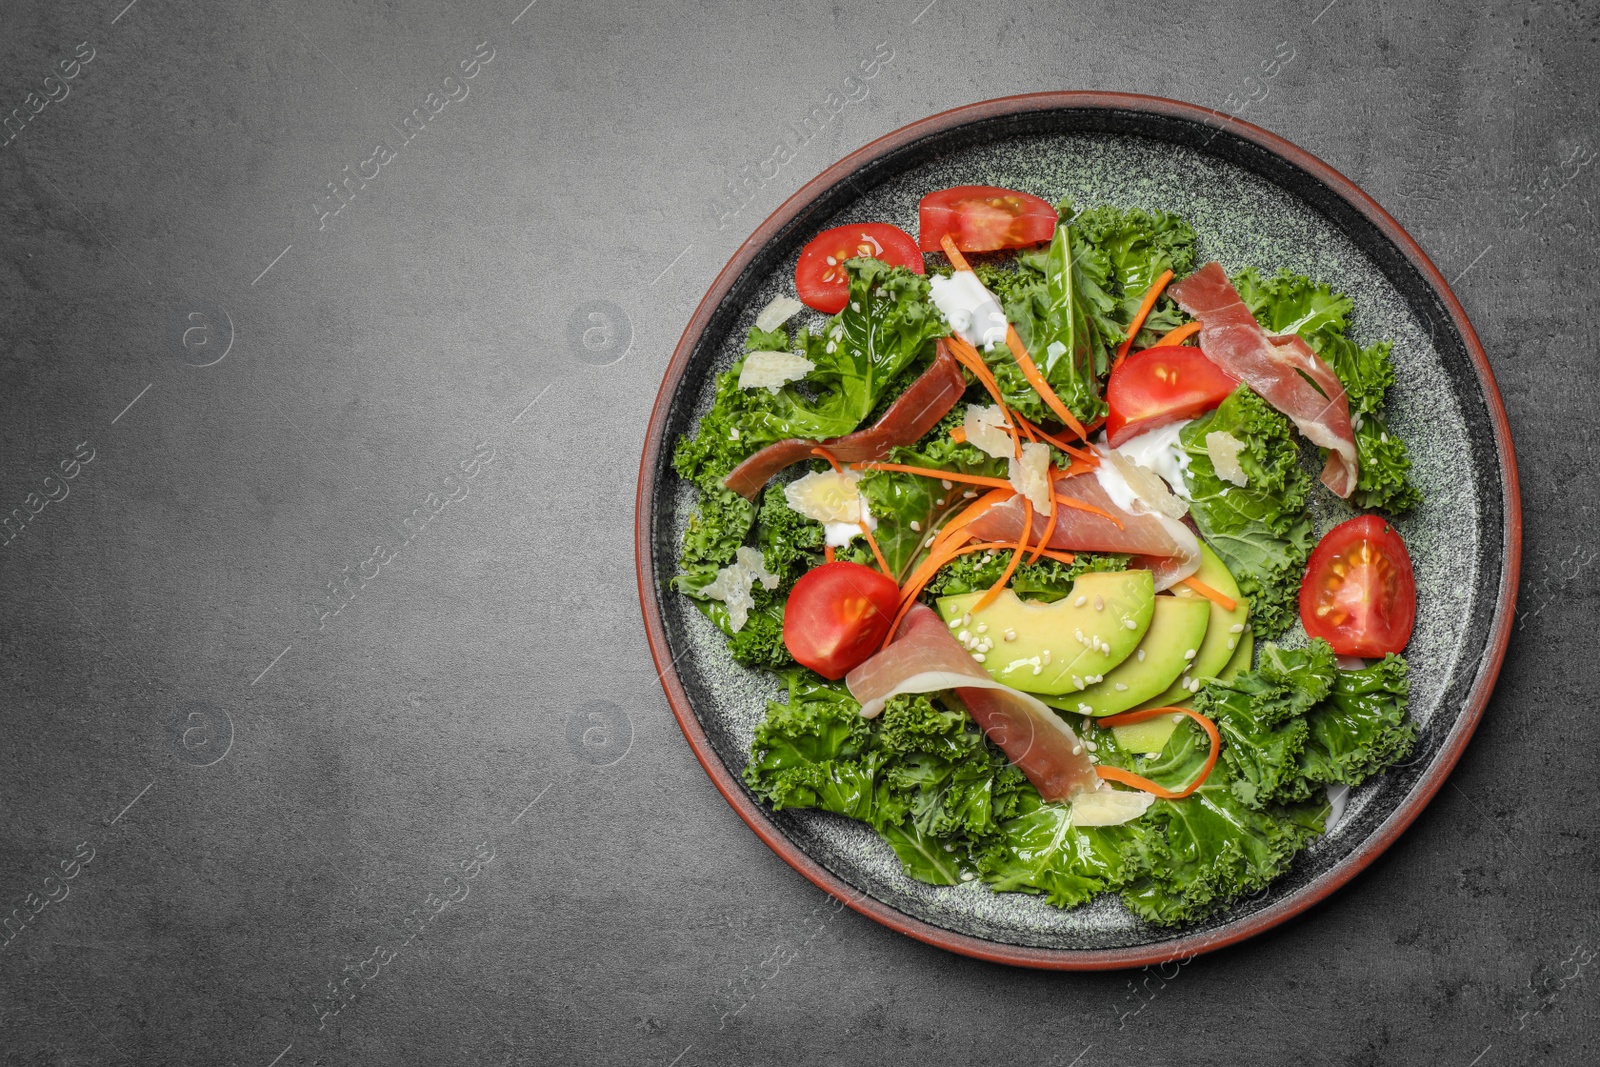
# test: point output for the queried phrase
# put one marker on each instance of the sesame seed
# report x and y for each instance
(1038, 670)
(1130, 624)
(916, 527)
(1140, 654)
(968, 494)
(983, 627)
(954, 623)
(1189, 654)
(1077, 750)
(1080, 602)
(947, 483)
(1231, 643)
(966, 619)
(1010, 635)
(940, 501)
(1079, 682)
(928, 543)
(1099, 603)
(1086, 709)
(1177, 718)
(979, 656)
(963, 636)
(1121, 688)
(1236, 628)
(1047, 656)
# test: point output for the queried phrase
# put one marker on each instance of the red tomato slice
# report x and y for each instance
(837, 616)
(820, 277)
(1359, 593)
(1162, 385)
(983, 218)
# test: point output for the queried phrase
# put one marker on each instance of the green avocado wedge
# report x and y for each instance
(1177, 628)
(1222, 634)
(1151, 735)
(1060, 647)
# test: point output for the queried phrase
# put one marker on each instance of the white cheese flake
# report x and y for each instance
(733, 583)
(826, 496)
(987, 428)
(1030, 476)
(779, 310)
(1224, 449)
(773, 370)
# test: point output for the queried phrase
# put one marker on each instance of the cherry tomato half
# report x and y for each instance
(837, 616)
(820, 277)
(1162, 385)
(1359, 593)
(983, 218)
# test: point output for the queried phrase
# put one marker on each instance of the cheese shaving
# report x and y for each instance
(779, 310)
(986, 428)
(1224, 449)
(826, 496)
(733, 583)
(772, 370)
(1030, 476)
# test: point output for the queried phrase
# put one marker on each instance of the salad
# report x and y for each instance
(1016, 512)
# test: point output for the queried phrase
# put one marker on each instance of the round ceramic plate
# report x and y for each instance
(1254, 200)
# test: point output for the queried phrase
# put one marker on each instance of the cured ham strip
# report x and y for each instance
(1165, 546)
(917, 411)
(925, 658)
(1284, 370)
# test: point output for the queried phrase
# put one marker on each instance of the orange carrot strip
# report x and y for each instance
(1072, 450)
(1179, 335)
(1049, 527)
(1019, 352)
(1090, 508)
(1016, 557)
(969, 358)
(975, 509)
(825, 454)
(1226, 603)
(827, 553)
(1145, 305)
(1117, 774)
(933, 472)
(958, 434)
(953, 254)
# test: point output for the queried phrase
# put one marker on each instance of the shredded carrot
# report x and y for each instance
(827, 553)
(1049, 527)
(1226, 603)
(943, 554)
(1179, 335)
(969, 358)
(975, 509)
(933, 472)
(1016, 557)
(958, 434)
(1090, 508)
(1019, 352)
(1117, 774)
(825, 454)
(1072, 450)
(1145, 305)
(953, 254)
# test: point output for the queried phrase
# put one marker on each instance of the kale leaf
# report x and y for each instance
(1262, 529)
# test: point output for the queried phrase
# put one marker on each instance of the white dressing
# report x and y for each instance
(1161, 451)
(970, 309)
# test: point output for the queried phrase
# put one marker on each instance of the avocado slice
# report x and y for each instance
(1151, 735)
(1061, 647)
(1221, 640)
(1177, 626)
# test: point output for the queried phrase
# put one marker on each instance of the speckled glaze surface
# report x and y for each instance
(1252, 203)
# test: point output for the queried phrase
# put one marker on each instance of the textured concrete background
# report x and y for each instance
(329, 730)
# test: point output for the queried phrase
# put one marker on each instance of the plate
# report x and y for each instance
(1254, 199)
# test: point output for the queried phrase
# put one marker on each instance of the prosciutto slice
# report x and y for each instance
(925, 658)
(917, 411)
(1284, 370)
(1167, 547)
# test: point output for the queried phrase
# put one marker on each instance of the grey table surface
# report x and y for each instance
(322, 678)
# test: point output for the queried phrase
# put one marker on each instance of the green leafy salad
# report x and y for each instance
(1063, 484)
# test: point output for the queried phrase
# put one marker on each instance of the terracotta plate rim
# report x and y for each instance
(1181, 946)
